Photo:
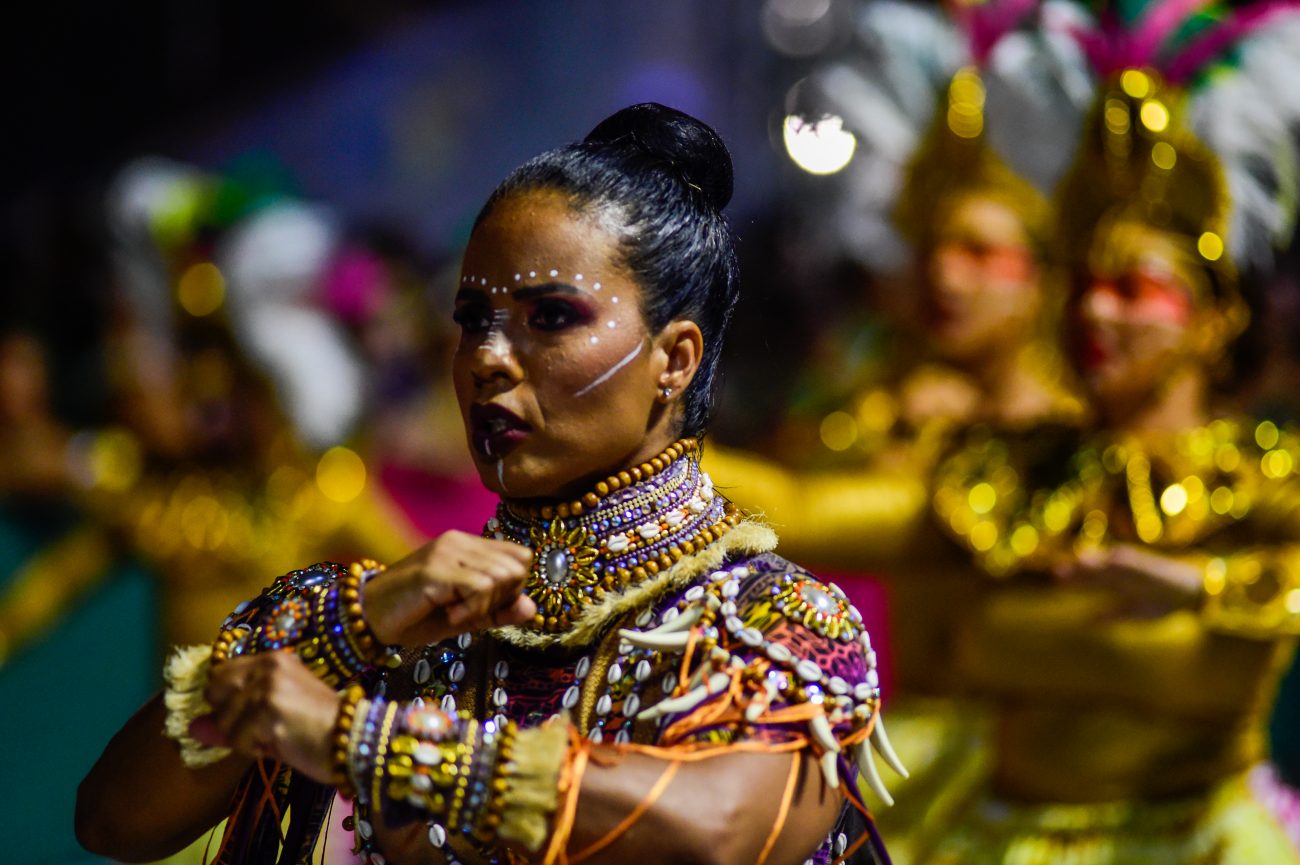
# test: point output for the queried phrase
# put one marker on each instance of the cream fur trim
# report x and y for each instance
(186, 674)
(533, 794)
(748, 538)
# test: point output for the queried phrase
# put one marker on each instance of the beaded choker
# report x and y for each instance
(630, 527)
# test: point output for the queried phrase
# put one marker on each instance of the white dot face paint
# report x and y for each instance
(572, 358)
(495, 340)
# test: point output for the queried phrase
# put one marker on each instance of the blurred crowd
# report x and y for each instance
(1027, 296)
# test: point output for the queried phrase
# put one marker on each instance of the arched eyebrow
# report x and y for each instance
(470, 295)
(531, 292)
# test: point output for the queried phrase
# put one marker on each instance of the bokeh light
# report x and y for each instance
(821, 146)
(341, 474)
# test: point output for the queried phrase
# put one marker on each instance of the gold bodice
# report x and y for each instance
(1090, 705)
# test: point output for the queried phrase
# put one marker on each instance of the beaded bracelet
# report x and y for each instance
(341, 738)
(380, 756)
(362, 744)
(356, 630)
(222, 646)
(499, 783)
(461, 769)
(486, 782)
(425, 763)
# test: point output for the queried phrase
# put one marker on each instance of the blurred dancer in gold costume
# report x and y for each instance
(230, 489)
(1148, 588)
(991, 289)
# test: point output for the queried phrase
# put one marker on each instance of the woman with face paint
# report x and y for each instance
(619, 669)
(1148, 592)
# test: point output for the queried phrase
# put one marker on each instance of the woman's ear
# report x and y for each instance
(678, 348)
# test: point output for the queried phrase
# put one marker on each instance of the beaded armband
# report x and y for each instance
(317, 613)
(414, 761)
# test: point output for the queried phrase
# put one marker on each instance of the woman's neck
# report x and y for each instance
(640, 465)
(1019, 385)
(1181, 403)
(632, 526)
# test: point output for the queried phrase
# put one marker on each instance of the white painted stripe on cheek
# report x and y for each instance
(609, 373)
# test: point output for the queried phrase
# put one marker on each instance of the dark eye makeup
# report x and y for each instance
(557, 313)
(473, 317)
(550, 308)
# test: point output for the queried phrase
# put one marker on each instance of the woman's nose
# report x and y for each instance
(953, 270)
(496, 359)
(1100, 300)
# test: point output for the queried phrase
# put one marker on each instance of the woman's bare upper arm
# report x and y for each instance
(139, 802)
(717, 811)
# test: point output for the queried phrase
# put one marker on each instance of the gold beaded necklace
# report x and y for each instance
(611, 484)
(628, 528)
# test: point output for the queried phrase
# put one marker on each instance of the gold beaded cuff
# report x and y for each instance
(482, 781)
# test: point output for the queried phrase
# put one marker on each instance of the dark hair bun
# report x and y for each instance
(691, 147)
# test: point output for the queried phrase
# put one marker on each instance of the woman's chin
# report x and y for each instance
(516, 477)
(1112, 394)
(493, 475)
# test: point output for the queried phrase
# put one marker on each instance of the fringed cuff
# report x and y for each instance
(186, 675)
(532, 794)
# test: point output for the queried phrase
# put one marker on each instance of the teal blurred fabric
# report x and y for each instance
(1284, 726)
(64, 696)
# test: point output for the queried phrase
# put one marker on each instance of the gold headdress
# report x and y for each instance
(1193, 128)
(1139, 162)
(954, 158)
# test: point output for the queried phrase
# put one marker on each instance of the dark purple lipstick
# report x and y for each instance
(495, 430)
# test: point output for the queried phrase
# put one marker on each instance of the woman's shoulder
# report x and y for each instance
(765, 608)
(770, 652)
(792, 607)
